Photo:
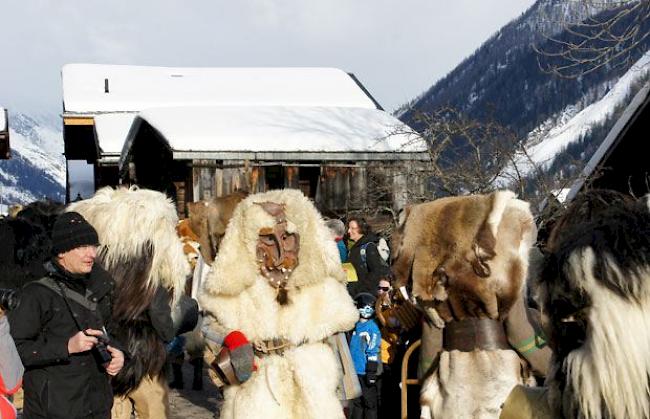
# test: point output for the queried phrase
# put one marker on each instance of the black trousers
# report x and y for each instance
(366, 406)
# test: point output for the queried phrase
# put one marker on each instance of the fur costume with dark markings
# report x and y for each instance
(595, 297)
(140, 249)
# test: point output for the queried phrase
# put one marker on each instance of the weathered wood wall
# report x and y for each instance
(335, 188)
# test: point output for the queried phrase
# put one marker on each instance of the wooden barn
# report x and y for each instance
(199, 133)
(620, 163)
(5, 148)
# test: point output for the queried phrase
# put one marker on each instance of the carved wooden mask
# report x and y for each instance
(277, 250)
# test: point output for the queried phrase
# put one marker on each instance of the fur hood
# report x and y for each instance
(132, 222)
(239, 297)
(235, 268)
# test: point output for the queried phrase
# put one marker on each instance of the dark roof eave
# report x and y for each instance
(301, 155)
(629, 116)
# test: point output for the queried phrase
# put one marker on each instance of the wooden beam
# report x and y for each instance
(75, 120)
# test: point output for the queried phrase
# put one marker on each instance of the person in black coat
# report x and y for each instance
(58, 325)
(365, 258)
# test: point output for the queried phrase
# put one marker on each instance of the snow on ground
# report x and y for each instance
(571, 124)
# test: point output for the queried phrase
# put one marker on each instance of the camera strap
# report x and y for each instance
(66, 293)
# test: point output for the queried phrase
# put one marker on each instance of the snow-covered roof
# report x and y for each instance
(94, 88)
(3, 120)
(111, 130)
(628, 116)
(276, 129)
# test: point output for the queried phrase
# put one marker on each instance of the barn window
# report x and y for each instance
(308, 180)
(274, 177)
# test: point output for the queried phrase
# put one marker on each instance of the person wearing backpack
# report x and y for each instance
(365, 257)
(58, 330)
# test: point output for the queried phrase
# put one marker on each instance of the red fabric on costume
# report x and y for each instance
(235, 339)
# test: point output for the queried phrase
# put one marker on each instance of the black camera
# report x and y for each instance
(100, 350)
(8, 299)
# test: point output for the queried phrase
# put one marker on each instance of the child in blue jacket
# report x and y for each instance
(364, 347)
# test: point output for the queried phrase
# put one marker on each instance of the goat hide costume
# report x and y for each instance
(209, 219)
(140, 249)
(595, 299)
(278, 279)
(467, 258)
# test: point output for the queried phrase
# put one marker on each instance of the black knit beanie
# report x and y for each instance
(71, 230)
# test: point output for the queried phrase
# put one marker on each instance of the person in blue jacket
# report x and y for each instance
(337, 228)
(365, 347)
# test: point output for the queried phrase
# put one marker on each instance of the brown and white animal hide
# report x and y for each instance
(301, 380)
(467, 259)
(595, 299)
(209, 219)
(140, 248)
(191, 245)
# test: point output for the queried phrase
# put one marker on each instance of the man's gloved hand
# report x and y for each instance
(242, 357)
(371, 373)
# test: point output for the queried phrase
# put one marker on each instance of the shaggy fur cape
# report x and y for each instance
(26, 243)
(301, 382)
(139, 247)
(467, 258)
(595, 297)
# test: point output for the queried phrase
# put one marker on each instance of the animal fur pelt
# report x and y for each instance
(595, 298)
(209, 219)
(191, 245)
(467, 258)
(26, 243)
(140, 248)
(301, 380)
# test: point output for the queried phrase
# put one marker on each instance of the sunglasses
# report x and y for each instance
(383, 288)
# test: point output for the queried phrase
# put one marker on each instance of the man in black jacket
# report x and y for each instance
(58, 326)
(365, 258)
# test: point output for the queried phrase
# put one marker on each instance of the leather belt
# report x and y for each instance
(474, 334)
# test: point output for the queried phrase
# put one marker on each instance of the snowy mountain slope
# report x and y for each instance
(509, 51)
(37, 167)
(559, 121)
(551, 137)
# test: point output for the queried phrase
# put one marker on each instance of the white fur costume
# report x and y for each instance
(301, 382)
(127, 218)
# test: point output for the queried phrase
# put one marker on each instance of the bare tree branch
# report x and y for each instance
(605, 39)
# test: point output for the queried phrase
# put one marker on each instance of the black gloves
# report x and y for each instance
(371, 373)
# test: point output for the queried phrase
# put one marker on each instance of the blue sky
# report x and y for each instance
(396, 48)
